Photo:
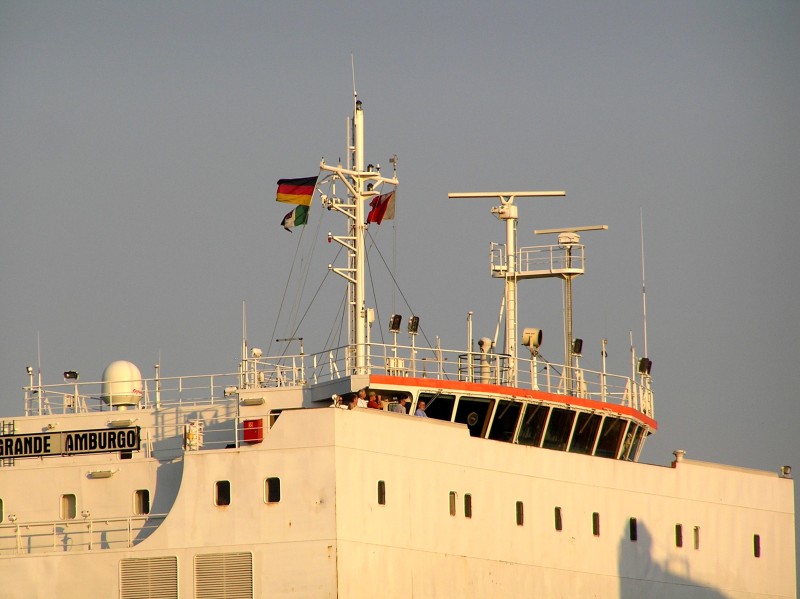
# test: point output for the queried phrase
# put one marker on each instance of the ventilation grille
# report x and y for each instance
(149, 578)
(223, 576)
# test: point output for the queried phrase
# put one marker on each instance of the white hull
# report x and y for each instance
(329, 537)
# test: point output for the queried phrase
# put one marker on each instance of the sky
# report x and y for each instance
(140, 145)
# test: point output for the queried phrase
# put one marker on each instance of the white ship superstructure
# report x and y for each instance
(522, 479)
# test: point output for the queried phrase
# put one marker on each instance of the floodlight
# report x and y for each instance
(71, 375)
(394, 323)
(645, 366)
(532, 338)
(413, 325)
(577, 346)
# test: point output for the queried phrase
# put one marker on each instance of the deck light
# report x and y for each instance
(71, 375)
(577, 346)
(413, 325)
(532, 338)
(394, 323)
(645, 365)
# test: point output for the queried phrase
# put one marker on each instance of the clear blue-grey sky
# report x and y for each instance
(140, 143)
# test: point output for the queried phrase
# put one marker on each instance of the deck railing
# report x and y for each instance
(79, 534)
(397, 360)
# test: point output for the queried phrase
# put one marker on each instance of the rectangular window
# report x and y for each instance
(585, 434)
(452, 503)
(222, 492)
(559, 428)
(381, 492)
(141, 502)
(505, 421)
(757, 545)
(467, 505)
(438, 405)
(633, 530)
(530, 432)
(559, 523)
(520, 514)
(697, 537)
(610, 437)
(475, 413)
(272, 490)
(637, 443)
(596, 524)
(1, 511)
(678, 535)
(68, 507)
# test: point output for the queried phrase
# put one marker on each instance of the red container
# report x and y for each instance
(253, 430)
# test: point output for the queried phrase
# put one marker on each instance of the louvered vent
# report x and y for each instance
(223, 576)
(149, 578)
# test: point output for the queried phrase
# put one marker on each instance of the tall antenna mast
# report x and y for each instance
(353, 68)
(573, 266)
(362, 183)
(507, 211)
(644, 296)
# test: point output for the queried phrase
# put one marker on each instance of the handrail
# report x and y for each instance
(76, 534)
(390, 359)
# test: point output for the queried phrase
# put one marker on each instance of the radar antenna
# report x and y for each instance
(569, 239)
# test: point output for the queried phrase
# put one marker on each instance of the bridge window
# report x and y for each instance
(438, 405)
(697, 537)
(585, 433)
(505, 421)
(530, 433)
(520, 514)
(467, 505)
(596, 524)
(757, 545)
(381, 492)
(610, 437)
(222, 492)
(558, 429)
(637, 442)
(452, 503)
(1, 511)
(69, 507)
(141, 502)
(272, 490)
(678, 535)
(626, 445)
(474, 412)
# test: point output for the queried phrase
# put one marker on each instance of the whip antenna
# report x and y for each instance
(644, 295)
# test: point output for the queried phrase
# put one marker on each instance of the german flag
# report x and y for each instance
(296, 191)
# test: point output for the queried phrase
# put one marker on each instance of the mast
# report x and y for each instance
(362, 184)
(507, 211)
(359, 309)
(573, 266)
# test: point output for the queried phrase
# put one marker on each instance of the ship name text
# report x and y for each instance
(69, 442)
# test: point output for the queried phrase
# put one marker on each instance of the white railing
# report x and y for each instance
(539, 260)
(77, 534)
(395, 360)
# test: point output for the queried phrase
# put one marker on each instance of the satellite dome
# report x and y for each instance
(122, 384)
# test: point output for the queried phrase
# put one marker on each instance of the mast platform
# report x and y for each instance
(538, 262)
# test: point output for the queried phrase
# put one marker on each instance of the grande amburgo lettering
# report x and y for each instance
(69, 442)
